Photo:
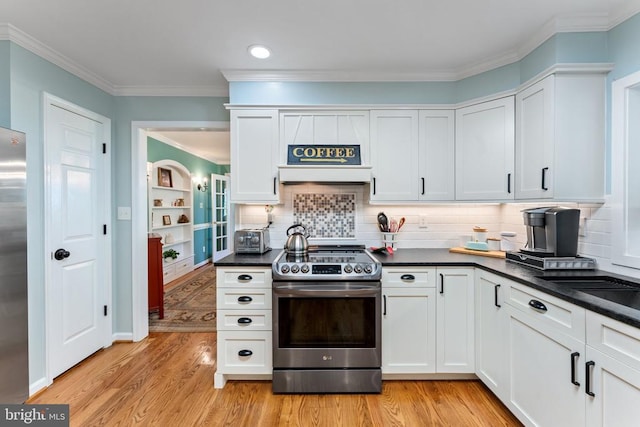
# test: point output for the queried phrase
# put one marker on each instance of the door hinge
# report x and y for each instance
(105, 310)
(104, 228)
(104, 148)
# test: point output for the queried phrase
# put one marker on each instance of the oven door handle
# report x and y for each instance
(315, 292)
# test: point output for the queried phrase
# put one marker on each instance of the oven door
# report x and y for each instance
(326, 325)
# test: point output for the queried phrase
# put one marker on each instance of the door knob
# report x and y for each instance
(61, 254)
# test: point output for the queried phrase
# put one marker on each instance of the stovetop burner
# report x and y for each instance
(328, 262)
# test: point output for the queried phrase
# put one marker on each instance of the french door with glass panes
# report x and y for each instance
(220, 218)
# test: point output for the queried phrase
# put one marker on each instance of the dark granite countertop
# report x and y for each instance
(516, 272)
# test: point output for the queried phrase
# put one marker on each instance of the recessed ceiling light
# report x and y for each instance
(258, 51)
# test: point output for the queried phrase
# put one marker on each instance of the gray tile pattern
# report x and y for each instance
(326, 216)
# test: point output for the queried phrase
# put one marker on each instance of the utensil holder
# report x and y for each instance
(390, 240)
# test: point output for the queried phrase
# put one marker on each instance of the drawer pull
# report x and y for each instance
(245, 353)
(244, 278)
(574, 359)
(534, 303)
(408, 277)
(244, 320)
(245, 298)
(587, 377)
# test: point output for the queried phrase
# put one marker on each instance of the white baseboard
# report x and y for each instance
(122, 336)
(38, 385)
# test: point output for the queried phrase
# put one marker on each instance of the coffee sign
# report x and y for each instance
(323, 155)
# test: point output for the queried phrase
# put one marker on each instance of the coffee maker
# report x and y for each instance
(552, 231)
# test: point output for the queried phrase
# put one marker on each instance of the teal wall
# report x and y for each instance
(199, 167)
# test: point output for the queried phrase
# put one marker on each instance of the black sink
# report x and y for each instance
(605, 287)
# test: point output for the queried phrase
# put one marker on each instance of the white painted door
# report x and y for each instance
(437, 154)
(220, 212)
(78, 279)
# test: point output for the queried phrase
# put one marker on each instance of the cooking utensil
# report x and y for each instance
(383, 221)
(297, 243)
(393, 226)
(401, 223)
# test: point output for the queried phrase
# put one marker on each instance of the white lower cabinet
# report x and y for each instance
(543, 363)
(408, 321)
(490, 330)
(455, 320)
(612, 388)
(244, 323)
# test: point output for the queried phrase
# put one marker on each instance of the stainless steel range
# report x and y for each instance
(327, 321)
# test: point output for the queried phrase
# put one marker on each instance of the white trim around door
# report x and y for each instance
(139, 276)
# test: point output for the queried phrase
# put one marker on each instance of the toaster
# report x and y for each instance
(254, 241)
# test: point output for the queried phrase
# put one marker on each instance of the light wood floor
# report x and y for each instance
(167, 380)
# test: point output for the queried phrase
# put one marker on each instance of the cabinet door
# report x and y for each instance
(491, 327)
(535, 141)
(616, 392)
(484, 151)
(254, 153)
(394, 155)
(437, 155)
(543, 362)
(455, 329)
(408, 330)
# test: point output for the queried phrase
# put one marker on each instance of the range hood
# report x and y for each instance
(356, 174)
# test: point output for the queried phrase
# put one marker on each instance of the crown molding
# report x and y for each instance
(217, 91)
(24, 40)
(334, 76)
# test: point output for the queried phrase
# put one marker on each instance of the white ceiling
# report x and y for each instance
(188, 47)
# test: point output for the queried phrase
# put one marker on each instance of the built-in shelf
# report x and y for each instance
(180, 233)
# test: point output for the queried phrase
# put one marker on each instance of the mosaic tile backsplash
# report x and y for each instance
(326, 216)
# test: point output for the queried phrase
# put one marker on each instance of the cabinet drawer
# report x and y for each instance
(244, 352)
(240, 320)
(168, 273)
(244, 298)
(613, 338)
(184, 266)
(568, 318)
(398, 277)
(249, 277)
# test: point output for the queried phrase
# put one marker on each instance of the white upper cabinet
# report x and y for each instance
(560, 138)
(412, 155)
(394, 154)
(437, 154)
(485, 150)
(254, 156)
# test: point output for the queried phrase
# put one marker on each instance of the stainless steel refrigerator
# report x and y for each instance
(14, 352)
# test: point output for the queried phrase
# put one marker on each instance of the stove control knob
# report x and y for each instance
(348, 268)
(368, 269)
(284, 269)
(304, 268)
(358, 269)
(295, 268)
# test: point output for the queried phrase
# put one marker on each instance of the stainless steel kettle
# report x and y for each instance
(297, 243)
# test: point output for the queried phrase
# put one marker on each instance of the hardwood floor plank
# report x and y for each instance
(167, 380)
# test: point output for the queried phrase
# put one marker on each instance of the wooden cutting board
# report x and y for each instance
(493, 254)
